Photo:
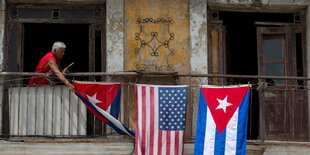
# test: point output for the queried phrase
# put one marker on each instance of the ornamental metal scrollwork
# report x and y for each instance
(154, 49)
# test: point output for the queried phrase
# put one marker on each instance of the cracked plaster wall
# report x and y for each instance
(115, 35)
(199, 49)
(198, 36)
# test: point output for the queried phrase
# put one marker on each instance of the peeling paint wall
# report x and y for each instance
(115, 35)
(198, 35)
(199, 50)
(177, 10)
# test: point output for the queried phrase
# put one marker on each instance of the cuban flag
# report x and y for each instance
(103, 100)
(222, 120)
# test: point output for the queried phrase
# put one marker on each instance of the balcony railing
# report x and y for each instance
(278, 107)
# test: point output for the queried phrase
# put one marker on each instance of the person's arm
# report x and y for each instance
(60, 76)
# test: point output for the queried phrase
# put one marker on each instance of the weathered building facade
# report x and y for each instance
(262, 42)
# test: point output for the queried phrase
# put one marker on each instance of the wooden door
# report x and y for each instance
(217, 51)
(283, 104)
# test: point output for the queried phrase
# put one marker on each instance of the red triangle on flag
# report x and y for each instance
(223, 103)
(104, 93)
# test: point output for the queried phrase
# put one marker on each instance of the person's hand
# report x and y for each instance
(71, 86)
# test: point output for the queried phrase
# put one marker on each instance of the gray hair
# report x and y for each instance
(57, 45)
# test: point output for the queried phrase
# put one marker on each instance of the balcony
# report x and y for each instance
(278, 108)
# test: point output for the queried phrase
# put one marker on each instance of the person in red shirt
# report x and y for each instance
(51, 62)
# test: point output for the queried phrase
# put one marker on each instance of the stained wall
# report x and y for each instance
(168, 48)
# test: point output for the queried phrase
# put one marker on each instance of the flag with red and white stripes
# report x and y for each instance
(160, 119)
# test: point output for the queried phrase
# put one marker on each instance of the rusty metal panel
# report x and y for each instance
(31, 111)
(46, 110)
(82, 111)
(74, 115)
(56, 111)
(40, 111)
(65, 111)
(22, 122)
(14, 108)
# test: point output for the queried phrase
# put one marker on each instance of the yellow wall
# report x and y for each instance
(177, 10)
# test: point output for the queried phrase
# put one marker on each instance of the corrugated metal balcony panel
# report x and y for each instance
(47, 111)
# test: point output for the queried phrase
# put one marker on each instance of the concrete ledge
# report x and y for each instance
(120, 147)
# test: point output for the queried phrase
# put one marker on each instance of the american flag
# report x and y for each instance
(160, 119)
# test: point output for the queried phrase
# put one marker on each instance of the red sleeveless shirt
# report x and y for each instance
(40, 69)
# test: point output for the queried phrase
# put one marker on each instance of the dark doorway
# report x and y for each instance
(241, 31)
(241, 41)
(39, 38)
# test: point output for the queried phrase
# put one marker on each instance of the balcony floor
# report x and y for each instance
(119, 147)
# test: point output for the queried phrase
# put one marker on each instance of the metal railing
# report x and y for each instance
(278, 107)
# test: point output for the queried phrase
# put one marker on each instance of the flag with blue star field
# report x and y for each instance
(160, 119)
(103, 100)
(222, 120)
